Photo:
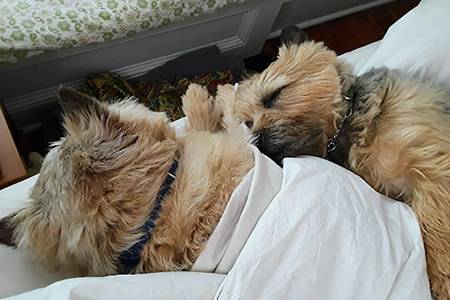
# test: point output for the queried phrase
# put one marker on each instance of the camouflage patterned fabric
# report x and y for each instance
(161, 95)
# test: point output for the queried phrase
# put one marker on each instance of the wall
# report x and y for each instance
(310, 12)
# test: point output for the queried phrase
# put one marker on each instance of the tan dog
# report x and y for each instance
(109, 175)
(392, 131)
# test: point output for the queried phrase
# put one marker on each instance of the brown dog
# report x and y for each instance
(392, 131)
(121, 193)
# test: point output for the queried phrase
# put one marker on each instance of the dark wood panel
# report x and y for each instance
(358, 29)
(11, 164)
(346, 33)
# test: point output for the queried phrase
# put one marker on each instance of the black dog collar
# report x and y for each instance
(129, 258)
(333, 141)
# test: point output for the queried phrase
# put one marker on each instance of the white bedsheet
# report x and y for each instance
(325, 235)
(164, 286)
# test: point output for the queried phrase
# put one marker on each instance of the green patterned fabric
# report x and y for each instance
(161, 95)
(31, 27)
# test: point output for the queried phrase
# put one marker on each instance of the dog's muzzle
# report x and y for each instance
(264, 143)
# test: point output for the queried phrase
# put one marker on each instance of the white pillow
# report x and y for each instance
(359, 57)
(418, 44)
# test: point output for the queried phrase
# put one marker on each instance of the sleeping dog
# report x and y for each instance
(122, 193)
(392, 131)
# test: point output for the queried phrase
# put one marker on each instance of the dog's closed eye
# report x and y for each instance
(269, 100)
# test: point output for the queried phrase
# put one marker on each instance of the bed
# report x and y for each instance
(324, 234)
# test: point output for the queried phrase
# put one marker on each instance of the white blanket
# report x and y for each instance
(325, 235)
(328, 235)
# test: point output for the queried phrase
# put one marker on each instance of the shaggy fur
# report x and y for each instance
(97, 186)
(397, 138)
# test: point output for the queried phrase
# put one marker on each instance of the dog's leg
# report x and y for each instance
(428, 201)
(426, 189)
(205, 114)
(231, 125)
(225, 100)
(201, 111)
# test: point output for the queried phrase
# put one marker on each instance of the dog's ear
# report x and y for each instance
(346, 75)
(78, 106)
(85, 116)
(7, 231)
(90, 123)
(292, 35)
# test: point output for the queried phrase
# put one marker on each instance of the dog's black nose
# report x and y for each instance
(263, 142)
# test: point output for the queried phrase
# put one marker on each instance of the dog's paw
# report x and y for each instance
(225, 95)
(200, 109)
(195, 95)
(197, 101)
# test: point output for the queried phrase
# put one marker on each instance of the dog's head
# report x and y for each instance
(85, 197)
(292, 106)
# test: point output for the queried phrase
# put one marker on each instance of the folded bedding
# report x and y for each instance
(31, 27)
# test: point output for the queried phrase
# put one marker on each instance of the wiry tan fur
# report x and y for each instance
(308, 72)
(403, 150)
(98, 185)
(399, 133)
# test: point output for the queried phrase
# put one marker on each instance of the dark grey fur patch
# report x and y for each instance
(447, 104)
(367, 84)
(292, 35)
(365, 88)
(7, 231)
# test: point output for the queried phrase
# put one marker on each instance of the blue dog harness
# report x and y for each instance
(129, 258)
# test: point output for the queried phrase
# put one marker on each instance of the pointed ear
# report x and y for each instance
(292, 35)
(7, 231)
(77, 104)
(103, 135)
(345, 72)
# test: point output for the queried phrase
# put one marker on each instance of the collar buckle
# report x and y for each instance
(332, 142)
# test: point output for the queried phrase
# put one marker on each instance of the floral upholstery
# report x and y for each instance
(31, 27)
